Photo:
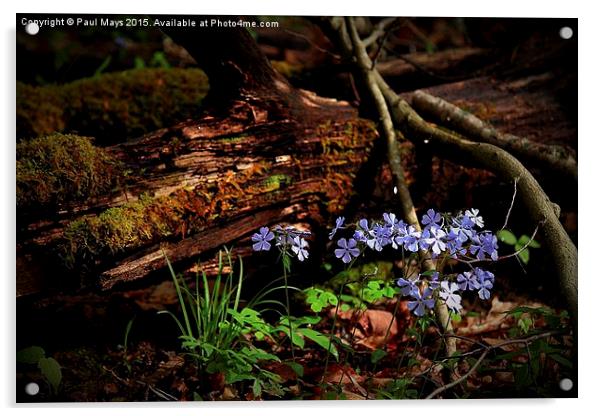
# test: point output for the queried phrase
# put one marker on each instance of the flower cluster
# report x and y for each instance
(458, 237)
(288, 240)
(454, 236)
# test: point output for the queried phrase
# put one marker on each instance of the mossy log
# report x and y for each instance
(197, 186)
(111, 107)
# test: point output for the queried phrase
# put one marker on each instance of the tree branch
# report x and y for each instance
(552, 158)
(381, 28)
(563, 252)
(486, 351)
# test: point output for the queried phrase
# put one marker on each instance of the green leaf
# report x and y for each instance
(525, 239)
(412, 362)
(525, 324)
(561, 360)
(51, 370)
(30, 355)
(320, 339)
(296, 367)
(374, 284)
(522, 375)
(256, 388)
(297, 339)
(506, 237)
(377, 355)
(524, 256)
(197, 397)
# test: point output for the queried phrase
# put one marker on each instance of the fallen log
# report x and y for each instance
(264, 153)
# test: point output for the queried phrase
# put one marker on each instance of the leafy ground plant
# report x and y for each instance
(48, 366)
(212, 329)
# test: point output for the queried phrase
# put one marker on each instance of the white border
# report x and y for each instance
(589, 188)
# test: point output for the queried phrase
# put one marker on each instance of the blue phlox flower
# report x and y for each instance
(473, 215)
(421, 302)
(447, 292)
(476, 248)
(489, 244)
(454, 244)
(339, 223)
(262, 239)
(426, 241)
(382, 237)
(364, 225)
(410, 241)
(431, 218)
(485, 279)
(484, 292)
(390, 219)
(406, 286)
(347, 250)
(438, 244)
(299, 248)
(359, 236)
(468, 281)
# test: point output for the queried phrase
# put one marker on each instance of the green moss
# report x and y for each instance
(111, 107)
(275, 182)
(56, 169)
(148, 220)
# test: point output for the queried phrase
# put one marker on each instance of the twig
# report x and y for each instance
(486, 351)
(312, 43)
(507, 256)
(511, 203)
(381, 29)
(160, 393)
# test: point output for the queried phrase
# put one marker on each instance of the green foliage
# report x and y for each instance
(113, 106)
(126, 336)
(48, 366)
(371, 292)
(104, 65)
(301, 329)
(398, 389)
(520, 245)
(528, 361)
(506, 237)
(318, 299)
(30, 355)
(57, 169)
(357, 293)
(51, 370)
(212, 329)
(377, 355)
(526, 316)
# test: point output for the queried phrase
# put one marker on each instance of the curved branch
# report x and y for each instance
(550, 157)
(380, 29)
(487, 156)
